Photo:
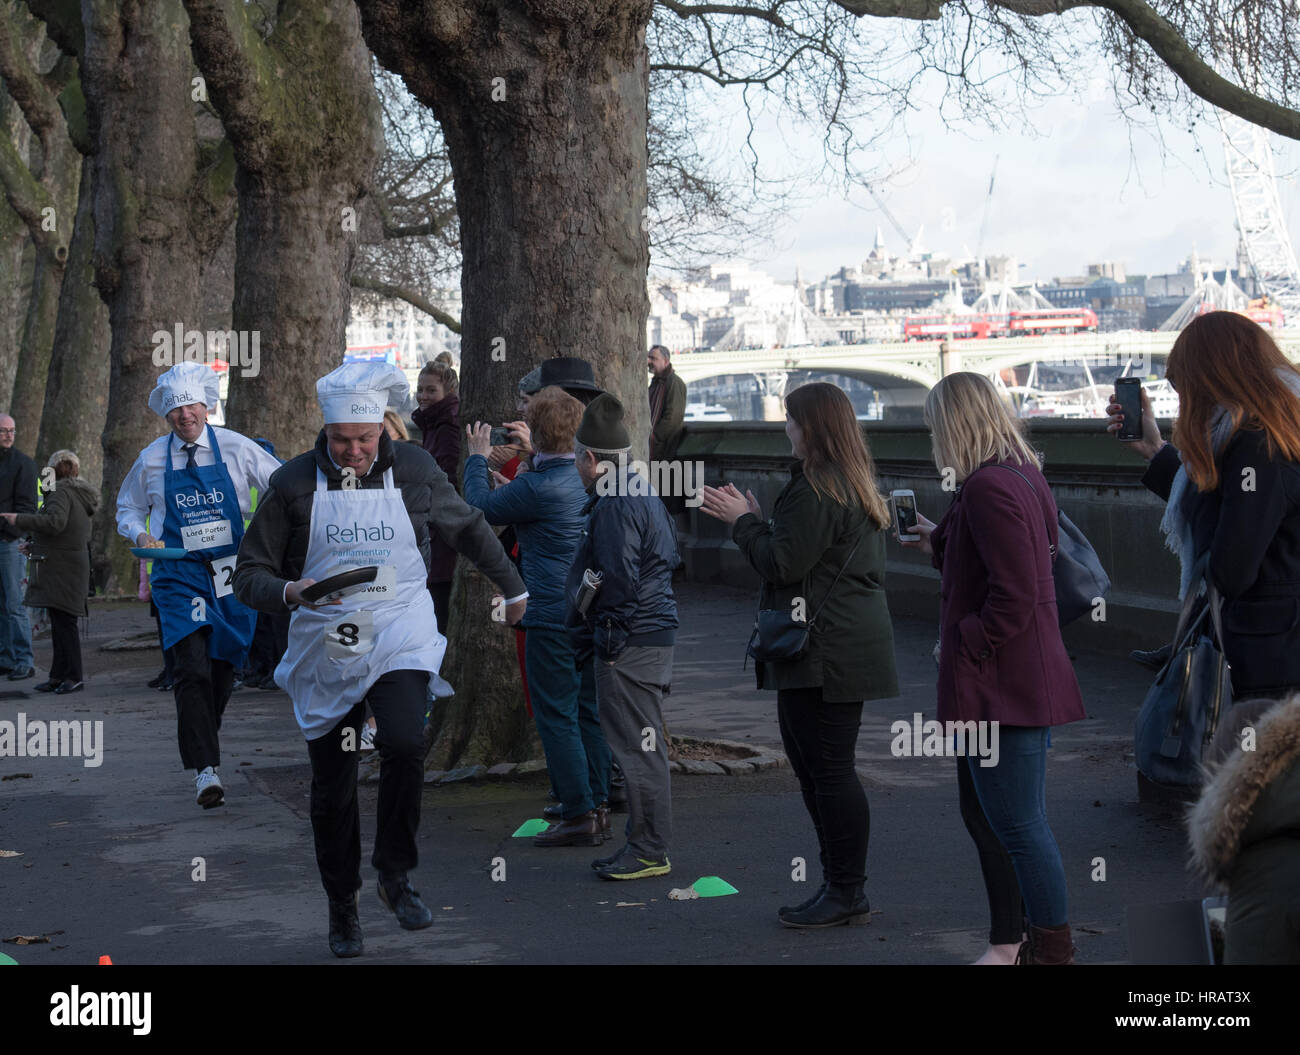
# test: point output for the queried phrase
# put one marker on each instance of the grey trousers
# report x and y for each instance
(629, 695)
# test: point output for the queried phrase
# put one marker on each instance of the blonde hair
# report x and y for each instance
(394, 420)
(969, 423)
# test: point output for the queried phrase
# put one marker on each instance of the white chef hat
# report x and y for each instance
(185, 383)
(361, 392)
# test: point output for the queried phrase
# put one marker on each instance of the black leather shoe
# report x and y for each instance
(803, 906)
(405, 903)
(47, 686)
(837, 905)
(582, 830)
(553, 812)
(345, 929)
(166, 686)
(1153, 660)
(153, 683)
(5, 670)
(69, 686)
(22, 673)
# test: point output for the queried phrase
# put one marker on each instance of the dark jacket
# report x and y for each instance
(1254, 558)
(1245, 837)
(1001, 657)
(17, 489)
(850, 653)
(666, 429)
(60, 534)
(275, 546)
(629, 539)
(546, 507)
(439, 427)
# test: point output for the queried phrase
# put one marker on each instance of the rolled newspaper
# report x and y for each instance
(587, 591)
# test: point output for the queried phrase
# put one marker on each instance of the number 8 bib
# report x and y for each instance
(350, 635)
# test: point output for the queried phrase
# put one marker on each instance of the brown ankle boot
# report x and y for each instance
(1047, 947)
(582, 830)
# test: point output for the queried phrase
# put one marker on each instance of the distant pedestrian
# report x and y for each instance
(630, 623)
(667, 413)
(824, 549)
(1001, 658)
(61, 565)
(17, 495)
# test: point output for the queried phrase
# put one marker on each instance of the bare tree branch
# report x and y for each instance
(394, 292)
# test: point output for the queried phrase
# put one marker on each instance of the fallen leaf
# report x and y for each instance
(630, 904)
(17, 776)
(683, 894)
(10, 853)
(32, 939)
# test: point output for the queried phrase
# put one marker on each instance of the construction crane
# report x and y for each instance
(880, 203)
(988, 201)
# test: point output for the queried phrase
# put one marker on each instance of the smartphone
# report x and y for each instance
(904, 503)
(1128, 394)
(501, 437)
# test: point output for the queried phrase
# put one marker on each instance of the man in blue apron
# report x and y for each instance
(194, 483)
(359, 500)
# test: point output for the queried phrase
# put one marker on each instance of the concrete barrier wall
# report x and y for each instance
(1095, 479)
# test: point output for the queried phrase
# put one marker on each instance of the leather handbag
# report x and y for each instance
(1191, 693)
(1076, 569)
(780, 638)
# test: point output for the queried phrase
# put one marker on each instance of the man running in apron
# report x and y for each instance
(195, 483)
(360, 500)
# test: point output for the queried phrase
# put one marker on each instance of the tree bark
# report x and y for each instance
(157, 213)
(300, 110)
(76, 397)
(544, 109)
(15, 256)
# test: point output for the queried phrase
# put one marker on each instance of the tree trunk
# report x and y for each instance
(16, 260)
(299, 107)
(28, 400)
(550, 179)
(136, 74)
(76, 398)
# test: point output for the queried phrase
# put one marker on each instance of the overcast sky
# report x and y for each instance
(1091, 187)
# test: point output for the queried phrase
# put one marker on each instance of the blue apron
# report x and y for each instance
(202, 517)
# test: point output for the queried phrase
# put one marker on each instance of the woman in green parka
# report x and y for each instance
(59, 578)
(822, 559)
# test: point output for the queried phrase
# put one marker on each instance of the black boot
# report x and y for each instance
(837, 904)
(345, 928)
(804, 904)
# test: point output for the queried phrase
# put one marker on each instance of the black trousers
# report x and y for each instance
(1006, 909)
(397, 700)
(66, 664)
(821, 741)
(202, 690)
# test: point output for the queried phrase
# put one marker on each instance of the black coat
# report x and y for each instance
(17, 489)
(850, 653)
(59, 575)
(1254, 559)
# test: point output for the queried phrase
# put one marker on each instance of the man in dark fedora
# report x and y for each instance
(630, 623)
(566, 372)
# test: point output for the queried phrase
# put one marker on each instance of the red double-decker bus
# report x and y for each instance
(941, 327)
(1052, 320)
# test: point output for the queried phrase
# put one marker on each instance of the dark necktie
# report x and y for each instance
(189, 450)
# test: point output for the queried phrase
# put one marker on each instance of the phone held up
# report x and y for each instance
(500, 436)
(1128, 394)
(904, 503)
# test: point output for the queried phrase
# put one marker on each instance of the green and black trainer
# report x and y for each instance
(629, 866)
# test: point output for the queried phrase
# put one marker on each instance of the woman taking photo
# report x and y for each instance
(61, 565)
(1001, 658)
(824, 546)
(1231, 481)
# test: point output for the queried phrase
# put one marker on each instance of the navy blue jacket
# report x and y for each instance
(630, 540)
(546, 507)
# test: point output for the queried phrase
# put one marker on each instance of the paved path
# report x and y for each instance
(109, 853)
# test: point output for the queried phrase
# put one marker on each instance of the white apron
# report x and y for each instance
(337, 652)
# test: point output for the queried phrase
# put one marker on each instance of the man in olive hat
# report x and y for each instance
(631, 624)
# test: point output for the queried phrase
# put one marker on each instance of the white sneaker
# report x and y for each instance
(208, 786)
(367, 736)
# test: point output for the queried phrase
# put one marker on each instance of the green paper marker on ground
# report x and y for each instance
(712, 886)
(530, 828)
(7, 961)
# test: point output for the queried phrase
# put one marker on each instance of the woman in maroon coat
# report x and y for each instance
(438, 419)
(1001, 659)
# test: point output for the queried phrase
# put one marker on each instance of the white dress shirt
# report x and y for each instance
(140, 501)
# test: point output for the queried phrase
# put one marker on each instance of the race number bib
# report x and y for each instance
(223, 576)
(350, 635)
(208, 535)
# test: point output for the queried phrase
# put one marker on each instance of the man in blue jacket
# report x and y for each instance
(631, 625)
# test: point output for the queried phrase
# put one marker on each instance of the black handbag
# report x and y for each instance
(780, 638)
(1076, 569)
(1191, 693)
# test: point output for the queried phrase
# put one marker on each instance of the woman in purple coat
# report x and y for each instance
(1001, 658)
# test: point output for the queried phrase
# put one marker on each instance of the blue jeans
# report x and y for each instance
(15, 630)
(1013, 795)
(564, 708)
